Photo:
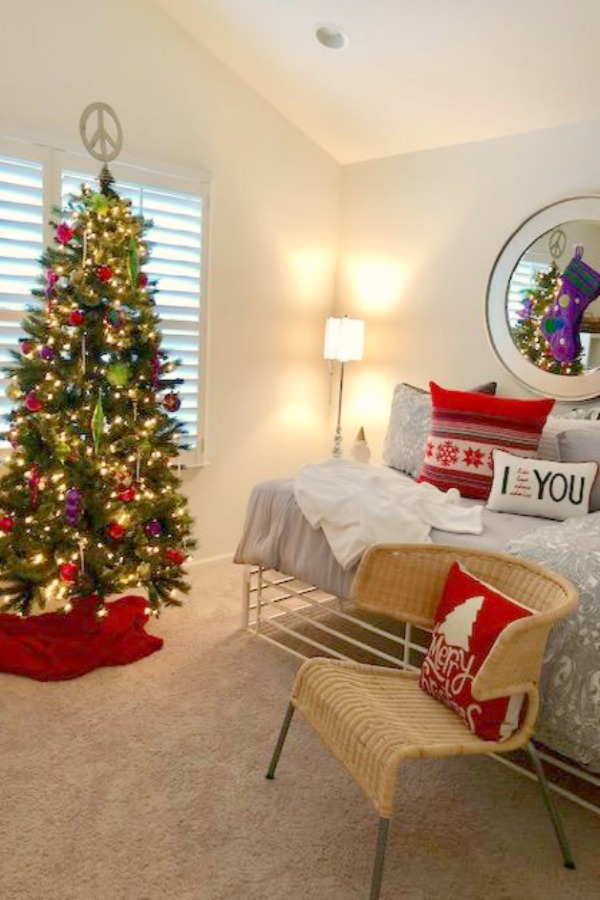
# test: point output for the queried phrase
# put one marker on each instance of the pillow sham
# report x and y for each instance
(469, 619)
(582, 446)
(408, 427)
(465, 428)
(538, 487)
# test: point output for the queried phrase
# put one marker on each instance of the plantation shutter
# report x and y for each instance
(521, 281)
(175, 263)
(21, 245)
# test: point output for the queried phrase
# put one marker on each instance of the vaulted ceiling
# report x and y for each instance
(414, 74)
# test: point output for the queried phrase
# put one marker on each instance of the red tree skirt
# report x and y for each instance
(57, 646)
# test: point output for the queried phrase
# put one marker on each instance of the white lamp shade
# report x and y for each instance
(344, 339)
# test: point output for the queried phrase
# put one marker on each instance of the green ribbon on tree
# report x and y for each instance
(98, 423)
(133, 262)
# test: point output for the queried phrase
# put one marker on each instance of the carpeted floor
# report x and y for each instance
(147, 783)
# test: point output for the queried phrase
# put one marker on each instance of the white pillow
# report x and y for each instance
(539, 487)
(548, 445)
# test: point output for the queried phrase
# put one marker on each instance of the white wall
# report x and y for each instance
(419, 236)
(275, 205)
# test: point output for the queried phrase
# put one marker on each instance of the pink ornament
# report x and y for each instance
(27, 346)
(64, 233)
(142, 280)
(51, 279)
(32, 403)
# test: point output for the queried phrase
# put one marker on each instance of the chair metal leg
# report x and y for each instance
(377, 876)
(281, 740)
(554, 814)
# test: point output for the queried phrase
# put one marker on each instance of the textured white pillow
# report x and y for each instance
(539, 487)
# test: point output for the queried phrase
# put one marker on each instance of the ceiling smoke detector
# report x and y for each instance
(331, 36)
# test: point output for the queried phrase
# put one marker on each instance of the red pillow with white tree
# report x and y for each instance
(468, 621)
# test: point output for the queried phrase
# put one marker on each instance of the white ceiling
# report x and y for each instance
(415, 74)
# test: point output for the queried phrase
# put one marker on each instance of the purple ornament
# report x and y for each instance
(153, 528)
(47, 353)
(73, 506)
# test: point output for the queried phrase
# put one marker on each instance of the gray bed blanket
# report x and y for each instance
(569, 721)
(276, 535)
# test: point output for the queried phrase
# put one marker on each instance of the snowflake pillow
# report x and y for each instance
(539, 487)
(464, 430)
(408, 427)
(468, 621)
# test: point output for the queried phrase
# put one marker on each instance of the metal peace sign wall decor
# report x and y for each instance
(101, 131)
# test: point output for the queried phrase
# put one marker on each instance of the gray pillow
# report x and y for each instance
(582, 446)
(408, 427)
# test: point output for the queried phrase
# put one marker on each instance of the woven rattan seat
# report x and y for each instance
(373, 718)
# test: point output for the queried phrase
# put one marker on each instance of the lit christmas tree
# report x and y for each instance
(90, 502)
(527, 334)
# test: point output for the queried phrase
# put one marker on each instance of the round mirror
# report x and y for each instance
(543, 301)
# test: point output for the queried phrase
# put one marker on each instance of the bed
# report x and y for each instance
(296, 593)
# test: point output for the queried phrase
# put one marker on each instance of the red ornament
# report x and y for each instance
(64, 233)
(115, 531)
(175, 557)
(142, 280)
(104, 273)
(171, 402)
(68, 573)
(27, 346)
(32, 403)
(6, 524)
(76, 317)
(126, 494)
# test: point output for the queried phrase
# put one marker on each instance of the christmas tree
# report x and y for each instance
(527, 334)
(90, 501)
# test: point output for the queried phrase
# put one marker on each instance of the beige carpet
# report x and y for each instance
(147, 783)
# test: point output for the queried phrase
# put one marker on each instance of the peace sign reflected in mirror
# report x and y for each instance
(543, 300)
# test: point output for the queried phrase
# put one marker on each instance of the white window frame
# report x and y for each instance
(54, 162)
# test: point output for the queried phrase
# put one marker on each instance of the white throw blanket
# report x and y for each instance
(357, 505)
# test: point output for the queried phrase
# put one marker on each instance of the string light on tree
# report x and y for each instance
(527, 334)
(89, 502)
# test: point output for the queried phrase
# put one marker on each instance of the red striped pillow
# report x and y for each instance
(464, 430)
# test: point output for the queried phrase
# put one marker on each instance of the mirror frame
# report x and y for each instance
(561, 387)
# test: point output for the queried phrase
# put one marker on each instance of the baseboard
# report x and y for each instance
(209, 560)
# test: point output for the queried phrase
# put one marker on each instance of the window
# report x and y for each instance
(21, 244)
(177, 207)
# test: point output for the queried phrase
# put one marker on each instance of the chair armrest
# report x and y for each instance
(515, 661)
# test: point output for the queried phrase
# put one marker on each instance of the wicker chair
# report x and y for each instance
(373, 718)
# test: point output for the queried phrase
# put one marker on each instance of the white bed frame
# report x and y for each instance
(306, 621)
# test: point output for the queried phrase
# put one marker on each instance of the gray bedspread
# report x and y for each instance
(276, 535)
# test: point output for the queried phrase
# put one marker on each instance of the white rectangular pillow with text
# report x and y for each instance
(540, 487)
